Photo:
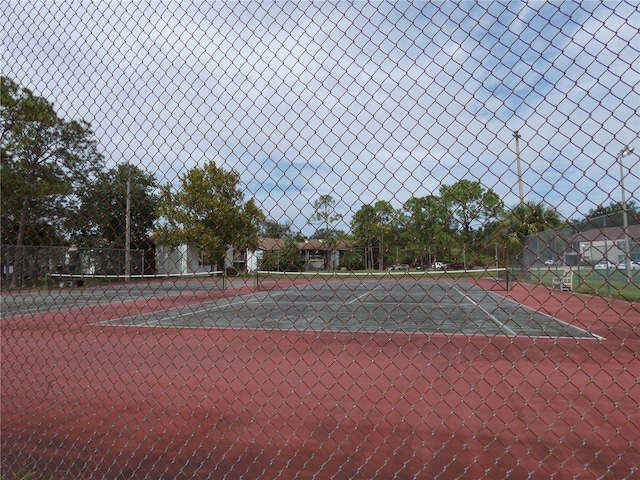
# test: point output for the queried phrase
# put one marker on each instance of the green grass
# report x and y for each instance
(33, 474)
(612, 284)
(22, 474)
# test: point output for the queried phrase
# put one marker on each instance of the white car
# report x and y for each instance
(604, 265)
(634, 265)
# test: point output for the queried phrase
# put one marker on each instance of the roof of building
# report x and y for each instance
(312, 244)
(610, 233)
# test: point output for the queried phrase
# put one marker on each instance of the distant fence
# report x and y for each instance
(30, 266)
(582, 244)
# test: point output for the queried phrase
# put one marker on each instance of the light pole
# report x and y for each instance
(627, 254)
(516, 135)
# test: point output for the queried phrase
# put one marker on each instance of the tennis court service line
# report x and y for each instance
(500, 324)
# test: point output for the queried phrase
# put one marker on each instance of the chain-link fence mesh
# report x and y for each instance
(320, 240)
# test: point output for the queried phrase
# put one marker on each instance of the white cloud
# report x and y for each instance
(363, 101)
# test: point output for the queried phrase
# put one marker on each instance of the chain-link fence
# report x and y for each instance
(320, 240)
(601, 253)
(43, 266)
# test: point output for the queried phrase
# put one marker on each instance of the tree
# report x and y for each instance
(609, 216)
(469, 205)
(100, 220)
(428, 224)
(369, 225)
(46, 159)
(273, 229)
(363, 226)
(323, 233)
(352, 260)
(286, 259)
(385, 216)
(325, 214)
(523, 221)
(470, 210)
(208, 213)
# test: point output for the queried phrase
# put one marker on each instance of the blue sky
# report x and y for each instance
(361, 101)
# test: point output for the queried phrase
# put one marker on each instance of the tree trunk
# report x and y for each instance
(16, 276)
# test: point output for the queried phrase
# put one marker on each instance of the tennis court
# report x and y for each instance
(416, 306)
(370, 377)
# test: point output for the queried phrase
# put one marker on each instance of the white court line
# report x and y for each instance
(361, 296)
(586, 333)
(494, 319)
(264, 299)
(214, 305)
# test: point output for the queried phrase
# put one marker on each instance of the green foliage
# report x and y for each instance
(518, 229)
(609, 216)
(287, 259)
(427, 224)
(208, 212)
(22, 474)
(526, 219)
(460, 220)
(469, 207)
(270, 261)
(45, 159)
(270, 228)
(290, 260)
(353, 260)
(101, 218)
(371, 224)
(325, 214)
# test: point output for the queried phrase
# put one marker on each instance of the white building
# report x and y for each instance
(608, 243)
(185, 260)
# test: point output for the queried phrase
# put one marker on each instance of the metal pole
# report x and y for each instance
(516, 135)
(625, 226)
(606, 261)
(127, 237)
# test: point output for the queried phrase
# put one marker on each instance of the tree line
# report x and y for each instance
(57, 190)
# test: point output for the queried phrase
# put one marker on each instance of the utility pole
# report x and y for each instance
(516, 135)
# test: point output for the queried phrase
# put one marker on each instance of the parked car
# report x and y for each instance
(401, 266)
(439, 266)
(604, 265)
(634, 265)
(548, 262)
(457, 266)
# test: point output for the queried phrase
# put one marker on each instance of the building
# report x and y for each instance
(184, 260)
(596, 244)
(314, 253)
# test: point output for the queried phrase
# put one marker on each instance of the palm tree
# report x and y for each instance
(521, 224)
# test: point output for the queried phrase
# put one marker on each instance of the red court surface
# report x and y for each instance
(87, 401)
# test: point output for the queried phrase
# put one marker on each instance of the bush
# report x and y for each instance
(352, 260)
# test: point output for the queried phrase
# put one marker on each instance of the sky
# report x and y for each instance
(363, 101)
